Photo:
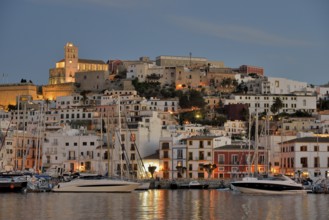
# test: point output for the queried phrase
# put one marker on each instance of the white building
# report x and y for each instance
(74, 150)
(235, 127)
(323, 92)
(310, 155)
(200, 151)
(263, 103)
(164, 105)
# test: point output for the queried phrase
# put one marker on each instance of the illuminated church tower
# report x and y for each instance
(66, 69)
(71, 61)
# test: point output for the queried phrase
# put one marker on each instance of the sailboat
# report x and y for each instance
(278, 184)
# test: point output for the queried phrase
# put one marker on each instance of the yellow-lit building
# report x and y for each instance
(9, 92)
(51, 92)
(65, 69)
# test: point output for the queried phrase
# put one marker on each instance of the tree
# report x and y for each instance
(277, 105)
(181, 170)
(11, 107)
(209, 168)
(192, 98)
(152, 169)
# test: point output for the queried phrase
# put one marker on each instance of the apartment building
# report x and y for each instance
(309, 155)
(263, 103)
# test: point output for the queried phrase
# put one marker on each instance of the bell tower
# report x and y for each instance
(71, 61)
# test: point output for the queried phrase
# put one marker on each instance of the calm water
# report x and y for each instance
(163, 204)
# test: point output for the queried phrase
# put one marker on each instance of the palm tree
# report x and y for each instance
(277, 105)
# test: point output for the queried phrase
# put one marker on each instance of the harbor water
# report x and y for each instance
(163, 204)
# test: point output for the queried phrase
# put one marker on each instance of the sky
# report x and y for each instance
(289, 39)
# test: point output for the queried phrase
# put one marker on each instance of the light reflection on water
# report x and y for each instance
(163, 204)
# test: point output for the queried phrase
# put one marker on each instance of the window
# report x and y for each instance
(303, 161)
(179, 154)
(190, 167)
(201, 155)
(84, 143)
(316, 148)
(201, 144)
(221, 158)
(234, 159)
(303, 148)
(67, 144)
(190, 155)
(132, 157)
(316, 162)
(165, 154)
(92, 143)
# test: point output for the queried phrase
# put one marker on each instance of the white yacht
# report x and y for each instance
(278, 184)
(96, 183)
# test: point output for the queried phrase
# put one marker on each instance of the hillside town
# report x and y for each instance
(175, 117)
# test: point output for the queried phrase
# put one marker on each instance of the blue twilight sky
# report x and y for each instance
(289, 38)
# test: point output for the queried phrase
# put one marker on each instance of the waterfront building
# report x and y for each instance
(75, 150)
(308, 156)
(152, 161)
(235, 161)
(271, 145)
(199, 152)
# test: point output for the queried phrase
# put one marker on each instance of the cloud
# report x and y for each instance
(235, 32)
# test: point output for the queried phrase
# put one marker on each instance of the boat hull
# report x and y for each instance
(268, 187)
(96, 186)
(263, 191)
(12, 186)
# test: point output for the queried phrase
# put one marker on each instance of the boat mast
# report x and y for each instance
(120, 141)
(101, 145)
(249, 156)
(256, 144)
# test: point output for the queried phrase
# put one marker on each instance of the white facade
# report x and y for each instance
(74, 150)
(68, 101)
(285, 86)
(235, 127)
(310, 155)
(165, 105)
(323, 92)
(263, 103)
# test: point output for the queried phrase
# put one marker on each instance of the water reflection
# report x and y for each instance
(162, 204)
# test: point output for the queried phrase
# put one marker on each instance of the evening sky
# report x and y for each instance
(288, 38)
